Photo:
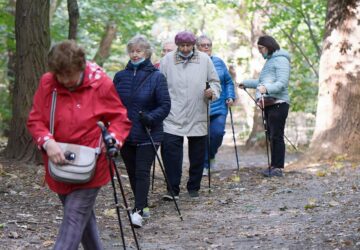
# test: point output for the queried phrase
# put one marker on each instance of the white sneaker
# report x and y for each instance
(136, 219)
(205, 172)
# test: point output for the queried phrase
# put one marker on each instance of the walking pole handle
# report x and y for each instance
(207, 85)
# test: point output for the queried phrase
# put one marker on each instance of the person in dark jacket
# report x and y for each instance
(144, 92)
(218, 108)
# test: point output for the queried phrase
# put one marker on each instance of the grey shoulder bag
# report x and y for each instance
(81, 164)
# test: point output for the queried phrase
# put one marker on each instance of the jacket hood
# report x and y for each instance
(92, 74)
(281, 52)
(145, 65)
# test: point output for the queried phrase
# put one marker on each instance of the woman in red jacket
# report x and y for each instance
(85, 95)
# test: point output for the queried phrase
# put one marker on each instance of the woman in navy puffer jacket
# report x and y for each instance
(142, 89)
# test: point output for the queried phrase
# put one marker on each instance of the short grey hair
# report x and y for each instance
(168, 41)
(140, 40)
(202, 37)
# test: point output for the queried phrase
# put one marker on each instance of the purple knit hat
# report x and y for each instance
(185, 37)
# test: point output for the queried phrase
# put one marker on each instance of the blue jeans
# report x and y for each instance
(172, 155)
(217, 132)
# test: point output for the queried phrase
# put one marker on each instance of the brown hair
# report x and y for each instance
(66, 56)
(270, 43)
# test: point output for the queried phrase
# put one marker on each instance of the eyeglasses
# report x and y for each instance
(204, 45)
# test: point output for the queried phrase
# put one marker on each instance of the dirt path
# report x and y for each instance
(312, 207)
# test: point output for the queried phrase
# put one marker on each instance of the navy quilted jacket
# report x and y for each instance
(143, 89)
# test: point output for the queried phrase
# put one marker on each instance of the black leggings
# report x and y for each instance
(138, 160)
(275, 116)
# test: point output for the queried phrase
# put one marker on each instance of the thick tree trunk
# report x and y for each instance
(74, 15)
(104, 49)
(32, 45)
(337, 130)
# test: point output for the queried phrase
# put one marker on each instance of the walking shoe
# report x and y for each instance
(136, 219)
(273, 172)
(146, 212)
(205, 172)
(193, 193)
(168, 197)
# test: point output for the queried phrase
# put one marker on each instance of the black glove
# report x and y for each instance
(145, 119)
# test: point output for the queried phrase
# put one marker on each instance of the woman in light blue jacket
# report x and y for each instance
(273, 86)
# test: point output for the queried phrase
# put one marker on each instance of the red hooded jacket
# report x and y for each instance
(76, 116)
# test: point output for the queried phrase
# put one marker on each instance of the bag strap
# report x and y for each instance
(52, 111)
(52, 118)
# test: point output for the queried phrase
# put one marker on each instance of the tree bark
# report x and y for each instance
(337, 129)
(74, 15)
(32, 45)
(105, 45)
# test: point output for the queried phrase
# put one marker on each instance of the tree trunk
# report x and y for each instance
(104, 49)
(257, 136)
(337, 129)
(74, 15)
(32, 45)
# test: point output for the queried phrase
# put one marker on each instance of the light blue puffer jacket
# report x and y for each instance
(219, 107)
(274, 76)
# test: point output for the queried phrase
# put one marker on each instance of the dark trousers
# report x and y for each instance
(172, 155)
(138, 160)
(275, 116)
(79, 221)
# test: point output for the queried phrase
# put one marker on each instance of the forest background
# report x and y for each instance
(322, 37)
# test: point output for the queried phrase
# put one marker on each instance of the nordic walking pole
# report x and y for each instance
(111, 152)
(261, 109)
(162, 168)
(233, 131)
(116, 202)
(208, 135)
(126, 205)
(153, 177)
(266, 131)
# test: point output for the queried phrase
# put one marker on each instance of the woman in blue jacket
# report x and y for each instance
(142, 89)
(273, 86)
(218, 108)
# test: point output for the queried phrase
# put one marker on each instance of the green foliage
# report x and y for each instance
(7, 46)
(299, 27)
(131, 18)
(5, 109)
